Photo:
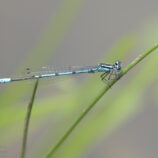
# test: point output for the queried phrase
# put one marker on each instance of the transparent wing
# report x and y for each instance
(50, 69)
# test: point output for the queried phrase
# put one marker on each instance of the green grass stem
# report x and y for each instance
(97, 98)
(27, 120)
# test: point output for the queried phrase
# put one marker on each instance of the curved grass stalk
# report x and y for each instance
(97, 98)
(27, 120)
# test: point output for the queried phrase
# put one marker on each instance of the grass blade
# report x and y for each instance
(97, 98)
(28, 116)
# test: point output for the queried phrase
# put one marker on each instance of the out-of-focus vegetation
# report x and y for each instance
(54, 114)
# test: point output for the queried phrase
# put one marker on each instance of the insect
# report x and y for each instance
(107, 69)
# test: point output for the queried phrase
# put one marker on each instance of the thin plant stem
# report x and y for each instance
(96, 99)
(27, 120)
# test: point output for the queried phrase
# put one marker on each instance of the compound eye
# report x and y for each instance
(118, 65)
(119, 68)
(117, 62)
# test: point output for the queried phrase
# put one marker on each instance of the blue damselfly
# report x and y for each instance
(107, 69)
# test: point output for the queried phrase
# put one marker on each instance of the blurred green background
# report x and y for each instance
(36, 33)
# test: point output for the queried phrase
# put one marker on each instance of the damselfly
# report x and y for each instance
(107, 69)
